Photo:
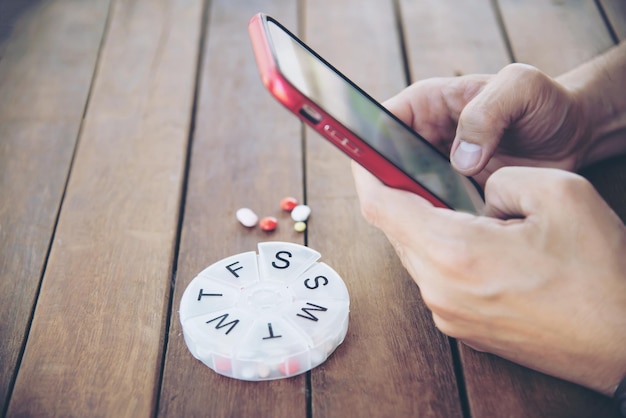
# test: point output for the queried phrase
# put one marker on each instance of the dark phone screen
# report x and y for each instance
(368, 121)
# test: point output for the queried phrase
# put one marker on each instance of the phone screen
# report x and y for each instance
(370, 122)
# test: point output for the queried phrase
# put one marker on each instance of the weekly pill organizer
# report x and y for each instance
(265, 316)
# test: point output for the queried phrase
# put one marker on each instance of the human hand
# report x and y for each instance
(540, 280)
(519, 116)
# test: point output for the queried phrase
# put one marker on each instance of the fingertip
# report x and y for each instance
(467, 157)
(479, 130)
(400, 106)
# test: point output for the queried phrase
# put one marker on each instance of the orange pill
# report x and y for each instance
(269, 223)
(288, 203)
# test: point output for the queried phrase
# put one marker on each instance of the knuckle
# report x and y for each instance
(479, 117)
(435, 302)
(455, 259)
(445, 313)
(568, 186)
(523, 73)
(371, 212)
(575, 184)
(446, 326)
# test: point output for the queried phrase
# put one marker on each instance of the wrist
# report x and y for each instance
(596, 88)
(605, 119)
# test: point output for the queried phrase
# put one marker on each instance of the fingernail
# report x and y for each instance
(467, 155)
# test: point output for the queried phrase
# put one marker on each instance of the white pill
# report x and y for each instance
(300, 213)
(263, 370)
(247, 217)
(317, 356)
(248, 373)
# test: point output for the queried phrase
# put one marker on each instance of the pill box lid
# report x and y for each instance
(265, 316)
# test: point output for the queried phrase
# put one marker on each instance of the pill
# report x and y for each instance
(300, 213)
(289, 367)
(247, 217)
(269, 223)
(223, 365)
(263, 370)
(248, 373)
(299, 226)
(317, 356)
(288, 203)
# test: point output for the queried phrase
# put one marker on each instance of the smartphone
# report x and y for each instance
(344, 114)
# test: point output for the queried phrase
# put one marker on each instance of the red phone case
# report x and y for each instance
(327, 126)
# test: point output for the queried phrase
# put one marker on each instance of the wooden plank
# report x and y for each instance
(96, 340)
(393, 361)
(497, 387)
(45, 76)
(453, 37)
(615, 11)
(246, 153)
(554, 36)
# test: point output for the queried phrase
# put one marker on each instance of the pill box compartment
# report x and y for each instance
(267, 316)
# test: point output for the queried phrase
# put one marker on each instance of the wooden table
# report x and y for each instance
(131, 131)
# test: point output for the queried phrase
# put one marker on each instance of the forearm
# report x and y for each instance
(600, 86)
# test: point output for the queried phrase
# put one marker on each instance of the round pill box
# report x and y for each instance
(267, 316)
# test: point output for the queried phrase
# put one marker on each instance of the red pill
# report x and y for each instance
(269, 223)
(223, 365)
(288, 203)
(289, 367)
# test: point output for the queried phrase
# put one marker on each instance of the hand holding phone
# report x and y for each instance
(353, 121)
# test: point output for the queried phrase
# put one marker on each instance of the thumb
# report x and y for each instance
(506, 194)
(521, 192)
(488, 115)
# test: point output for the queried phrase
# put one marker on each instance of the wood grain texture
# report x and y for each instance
(452, 37)
(246, 152)
(94, 348)
(615, 11)
(101, 325)
(45, 76)
(554, 36)
(393, 361)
